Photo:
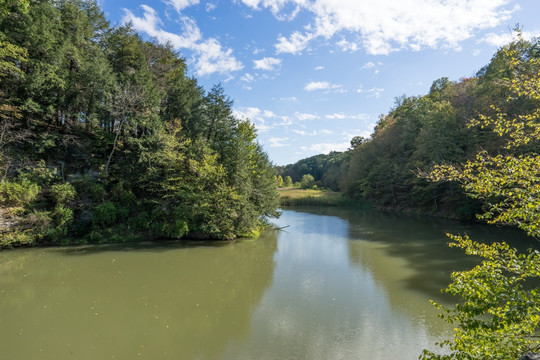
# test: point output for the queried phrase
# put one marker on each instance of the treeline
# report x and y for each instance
(421, 131)
(326, 169)
(104, 137)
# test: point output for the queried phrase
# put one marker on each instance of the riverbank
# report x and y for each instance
(310, 197)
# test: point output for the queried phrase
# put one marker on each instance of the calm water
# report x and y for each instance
(335, 284)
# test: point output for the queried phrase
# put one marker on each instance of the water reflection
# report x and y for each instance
(149, 301)
(335, 284)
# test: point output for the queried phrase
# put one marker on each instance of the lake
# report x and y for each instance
(333, 284)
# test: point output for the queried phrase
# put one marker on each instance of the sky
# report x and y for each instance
(311, 74)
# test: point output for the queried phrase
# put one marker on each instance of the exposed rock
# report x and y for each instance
(530, 356)
(8, 220)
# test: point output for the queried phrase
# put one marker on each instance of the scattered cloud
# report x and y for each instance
(278, 7)
(325, 148)
(209, 56)
(320, 85)
(313, 133)
(291, 98)
(318, 68)
(341, 116)
(373, 92)
(347, 46)
(180, 5)
(264, 120)
(295, 44)
(275, 142)
(267, 63)
(304, 117)
(368, 65)
(247, 77)
(210, 6)
(500, 40)
(388, 26)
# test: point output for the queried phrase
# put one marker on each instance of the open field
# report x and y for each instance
(301, 197)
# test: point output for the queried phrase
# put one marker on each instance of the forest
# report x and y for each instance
(388, 168)
(104, 137)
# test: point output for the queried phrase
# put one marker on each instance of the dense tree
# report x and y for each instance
(498, 314)
(110, 140)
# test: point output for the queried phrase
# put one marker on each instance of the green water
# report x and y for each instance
(334, 284)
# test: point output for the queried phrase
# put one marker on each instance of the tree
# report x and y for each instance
(279, 181)
(499, 311)
(287, 182)
(307, 181)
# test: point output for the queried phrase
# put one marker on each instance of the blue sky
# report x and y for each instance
(311, 74)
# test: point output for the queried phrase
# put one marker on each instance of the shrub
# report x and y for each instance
(18, 193)
(105, 214)
(88, 187)
(63, 193)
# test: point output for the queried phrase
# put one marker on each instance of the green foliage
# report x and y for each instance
(307, 181)
(92, 135)
(279, 181)
(325, 169)
(287, 182)
(499, 309)
(87, 187)
(18, 193)
(498, 315)
(63, 193)
(105, 214)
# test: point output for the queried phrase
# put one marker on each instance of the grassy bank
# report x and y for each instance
(302, 197)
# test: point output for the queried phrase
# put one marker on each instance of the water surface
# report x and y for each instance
(334, 284)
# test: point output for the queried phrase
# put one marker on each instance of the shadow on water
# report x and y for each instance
(160, 300)
(148, 246)
(420, 242)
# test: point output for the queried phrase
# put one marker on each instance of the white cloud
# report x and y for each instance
(320, 85)
(319, 68)
(277, 6)
(267, 63)
(500, 40)
(313, 133)
(210, 7)
(209, 56)
(341, 116)
(261, 118)
(292, 98)
(345, 45)
(180, 5)
(386, 26)
(295, 44)
(368, 65)
(247, 77)
(324, 148)
(212, 58)
(278, 142)
(303, 117)
(373, 92)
